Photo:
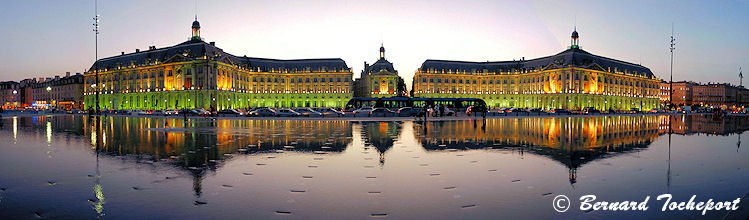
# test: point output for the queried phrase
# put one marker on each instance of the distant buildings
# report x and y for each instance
(710, 94)
(197, 74)
(379, 80)
(59, 92)
(572, 79)
(10, 97)
(682, 93)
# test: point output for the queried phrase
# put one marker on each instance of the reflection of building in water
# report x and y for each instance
(576, 133)
(572, 141)
(381, 135)
(199, 145)
(696, 124)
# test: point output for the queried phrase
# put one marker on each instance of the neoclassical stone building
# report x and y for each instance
(571, 79)
(379, 80)
(197, 74)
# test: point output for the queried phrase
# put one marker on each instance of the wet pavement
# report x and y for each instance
(66, 166)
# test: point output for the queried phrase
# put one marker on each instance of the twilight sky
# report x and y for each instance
(47, 38)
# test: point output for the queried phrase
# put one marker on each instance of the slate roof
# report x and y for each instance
(381, 64)
(574, 57)
(193, 49)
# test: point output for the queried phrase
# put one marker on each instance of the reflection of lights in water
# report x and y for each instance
(99, 204)
(49, 132)
(104, 138)
(93, 139)
(15, 129)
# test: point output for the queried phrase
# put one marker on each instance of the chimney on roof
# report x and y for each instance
(137, 50)
(151, 47)
(67, 74)
(213, 43)
(123, 52)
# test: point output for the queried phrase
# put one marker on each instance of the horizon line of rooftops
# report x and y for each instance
(197, 49)
(246, 63)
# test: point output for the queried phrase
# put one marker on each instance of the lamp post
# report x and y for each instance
(96, 51)
(49, 98)
(671, 81)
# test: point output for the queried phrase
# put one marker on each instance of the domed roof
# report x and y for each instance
(574, 34)
(382, 48)
(196, 24)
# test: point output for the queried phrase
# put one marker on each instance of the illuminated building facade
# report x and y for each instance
(379, 80)
(197, 74)
(682, 92)
(572, 79)
(720, 95)
(711, 94)
(10, 95)
(62, 93)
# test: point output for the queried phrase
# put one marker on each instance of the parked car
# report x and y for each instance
(590, 110)
(656, 110)
(201, 112)
(229, 112)
(363, 111)
(535, 110)
(561, 111)
(329, 112)
(308, 112)
(192, 112)
(139, 112)
(496, 111)
(263, 112)
(124, 112)
(406, 112)
(384, 112)
(285, 112)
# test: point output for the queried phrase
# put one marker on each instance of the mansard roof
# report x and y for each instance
(574, 57)
(381, 64)
(198, 49)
